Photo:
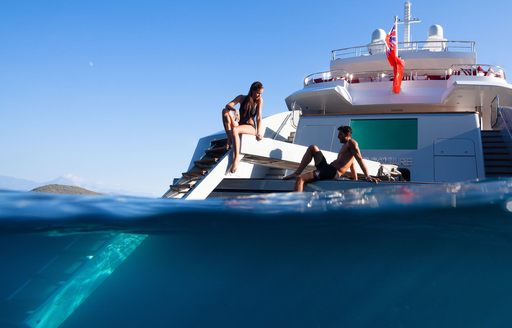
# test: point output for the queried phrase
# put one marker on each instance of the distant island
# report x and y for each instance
(70, 185)
(64, 189)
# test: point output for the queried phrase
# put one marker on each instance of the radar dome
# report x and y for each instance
(435, 31)
(378, 35)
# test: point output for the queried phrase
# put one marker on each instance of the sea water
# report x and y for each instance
(379, 256)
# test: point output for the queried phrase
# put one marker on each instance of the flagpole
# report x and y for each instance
(396, 31)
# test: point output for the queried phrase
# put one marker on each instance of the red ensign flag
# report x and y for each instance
(396, 62)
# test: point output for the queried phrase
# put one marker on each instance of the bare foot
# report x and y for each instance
(234, 166)
(294, 175)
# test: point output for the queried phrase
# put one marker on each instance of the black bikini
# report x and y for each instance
(247, 114)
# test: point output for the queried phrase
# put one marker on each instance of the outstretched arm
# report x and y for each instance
(231, 105)
(359, 158)
(353, 172)
(259, 136)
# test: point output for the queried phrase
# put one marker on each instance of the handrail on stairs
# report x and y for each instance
(506, 115)
(282, 125)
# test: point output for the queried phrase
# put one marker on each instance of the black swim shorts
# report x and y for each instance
(324, 171)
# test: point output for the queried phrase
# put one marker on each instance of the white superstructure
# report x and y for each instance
(450, 122)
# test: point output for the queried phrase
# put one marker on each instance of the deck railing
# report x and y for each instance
(409, 75)
(416, 46)
(478, 70)
(326, 76)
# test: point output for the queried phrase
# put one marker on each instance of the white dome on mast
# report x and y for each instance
(378, 35)
(378, 43)
(436, 31)
(435, 40)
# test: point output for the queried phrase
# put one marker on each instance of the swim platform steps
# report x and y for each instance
(192, 178)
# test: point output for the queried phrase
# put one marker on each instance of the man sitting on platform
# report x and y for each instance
(337, 168)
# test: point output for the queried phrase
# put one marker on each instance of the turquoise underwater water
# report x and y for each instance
(385, 256)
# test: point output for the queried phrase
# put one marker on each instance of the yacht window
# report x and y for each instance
(385, 133)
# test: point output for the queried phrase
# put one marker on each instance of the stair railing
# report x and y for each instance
(295, 109)
(506, 115)
(495, 104)
(282, 125)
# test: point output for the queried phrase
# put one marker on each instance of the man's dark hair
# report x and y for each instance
(347, 130)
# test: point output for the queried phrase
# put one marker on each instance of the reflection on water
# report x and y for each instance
(91, 274)
(45, 213)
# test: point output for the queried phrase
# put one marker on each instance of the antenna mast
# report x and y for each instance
(407, 21)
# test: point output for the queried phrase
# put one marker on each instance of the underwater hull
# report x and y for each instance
(355, 269)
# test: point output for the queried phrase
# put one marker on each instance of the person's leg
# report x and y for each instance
(313, 152)
(229, 123)
(237, 131)
(302, 179)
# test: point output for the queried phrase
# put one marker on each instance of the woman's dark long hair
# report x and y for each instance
(249, 101)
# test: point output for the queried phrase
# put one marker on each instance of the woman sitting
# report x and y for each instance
(246, 120)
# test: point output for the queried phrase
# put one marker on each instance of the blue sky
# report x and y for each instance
(119, 92)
